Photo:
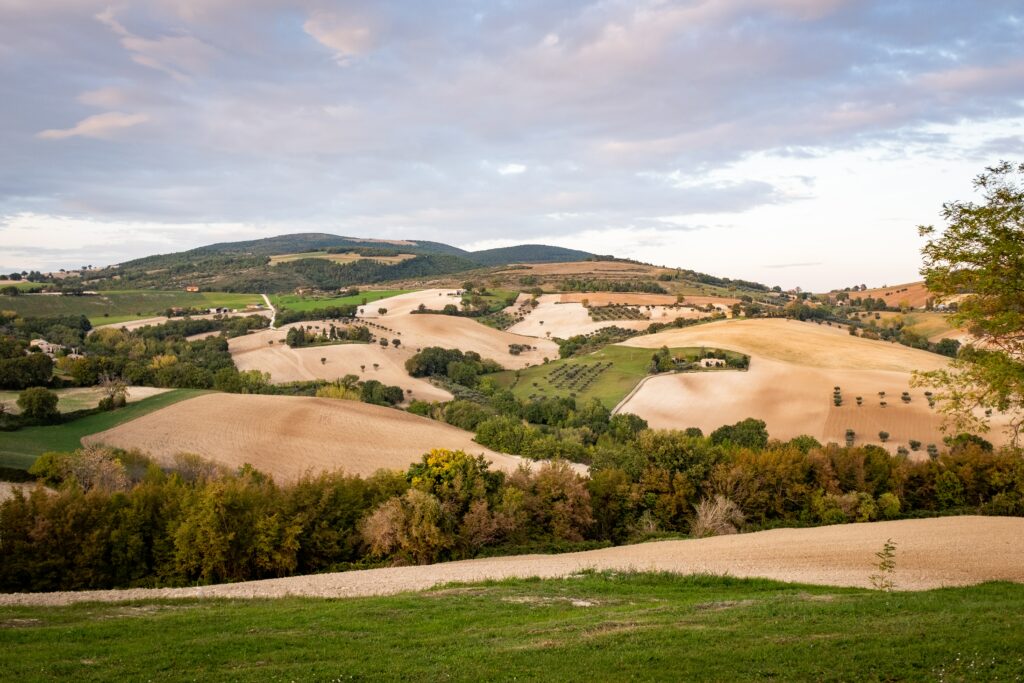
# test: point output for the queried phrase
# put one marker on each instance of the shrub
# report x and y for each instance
(889, 506)
(716, 517)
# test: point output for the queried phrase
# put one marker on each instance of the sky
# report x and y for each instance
(792, 142)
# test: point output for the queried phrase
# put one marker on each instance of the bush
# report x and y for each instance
(38, 403)
(888, 506)
(716, 517)
(113, 402)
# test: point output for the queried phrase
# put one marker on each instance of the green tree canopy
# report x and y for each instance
(977, 261)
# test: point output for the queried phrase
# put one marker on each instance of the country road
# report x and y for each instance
(273, 311)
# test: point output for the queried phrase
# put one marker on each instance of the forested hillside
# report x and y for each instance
(247, 266)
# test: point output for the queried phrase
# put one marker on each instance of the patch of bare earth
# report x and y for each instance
(7, 489)
(794, 370)
(286, 436)
(563, 315)
(930, 553)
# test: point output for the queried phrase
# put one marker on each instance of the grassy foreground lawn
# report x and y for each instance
(121, 306)
(592, 627)
(21, 448)
(629, 366)
(297, 302)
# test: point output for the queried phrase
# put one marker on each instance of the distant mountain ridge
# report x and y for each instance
(248, 265)
(297, 243)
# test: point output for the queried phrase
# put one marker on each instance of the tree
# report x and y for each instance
(979, 257)
(38, 403)
(115, 392)
(749, 433)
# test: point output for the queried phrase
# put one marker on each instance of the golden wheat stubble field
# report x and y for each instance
(386, 364)
(286, 436)
(794, 369)
(563, 315)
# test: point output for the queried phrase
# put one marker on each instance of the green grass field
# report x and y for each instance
(594, 627)
(297, 302)
(20, 449)
(21, 285)
(70, 400)
(117, 307)
(628, 366)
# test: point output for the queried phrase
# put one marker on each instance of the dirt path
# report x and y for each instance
(930, 553)
(273, 311)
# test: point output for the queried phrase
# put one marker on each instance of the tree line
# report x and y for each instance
(118, 519)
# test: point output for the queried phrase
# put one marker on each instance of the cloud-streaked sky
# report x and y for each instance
(795, 142)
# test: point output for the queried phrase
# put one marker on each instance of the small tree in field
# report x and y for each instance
(884, 579)
(38, 403)
(115, 392)
(883, 436)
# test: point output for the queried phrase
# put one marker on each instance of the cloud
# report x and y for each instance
(696, 121)
(177, 56)
(97, 126)
(345, 36)
(512, 169)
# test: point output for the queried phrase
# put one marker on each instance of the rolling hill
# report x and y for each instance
(246, 266)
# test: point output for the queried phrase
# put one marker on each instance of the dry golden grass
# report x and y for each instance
(348, 257)
(615, 268)
(641, 299)
(911, 294)
(286, 436)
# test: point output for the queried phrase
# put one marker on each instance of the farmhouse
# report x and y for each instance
(219, 310)
(46, 347)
